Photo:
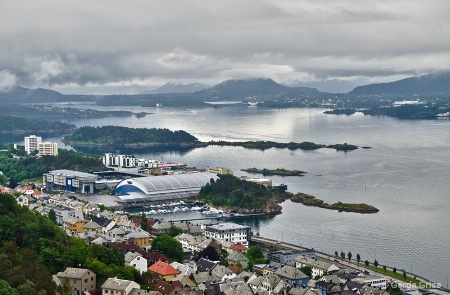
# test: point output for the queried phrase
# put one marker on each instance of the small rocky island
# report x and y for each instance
(309, 200)
(278, 171)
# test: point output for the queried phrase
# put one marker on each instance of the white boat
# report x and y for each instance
(213, 212)
(252, 103)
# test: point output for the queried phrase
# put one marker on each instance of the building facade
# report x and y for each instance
(288, 256)
(219, 170)
(48, 149)
(32, 143)
(230, 232)
(73, 181)
(81, 279)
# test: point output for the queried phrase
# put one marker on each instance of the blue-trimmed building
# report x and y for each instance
(72, 181)
(165, 187)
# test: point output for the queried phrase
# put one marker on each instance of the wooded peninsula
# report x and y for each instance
(278, 171)
(246, 197)
(143, 137)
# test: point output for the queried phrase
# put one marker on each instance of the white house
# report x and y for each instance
(230, 232)
(319, 268)
(117, 286)
(375, 281)
(137, 261)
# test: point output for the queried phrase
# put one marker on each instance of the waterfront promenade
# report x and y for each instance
(345, 263)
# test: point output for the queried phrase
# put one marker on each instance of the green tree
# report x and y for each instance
(336, 253)
(375, 263)
(255, 252)
(169, 246)
(255, 255)
(306, 270)
(404, 274)
(6, 289)
(342, 255)
(349, 255)
(358, 257)
(66, 287)
(144, 222)
(394, 270)
(366, 262)
(384, 268)
(174, 231)
(52, 216)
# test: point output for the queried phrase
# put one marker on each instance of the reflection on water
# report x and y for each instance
(405, 174)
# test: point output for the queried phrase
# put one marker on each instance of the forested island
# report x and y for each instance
(20, 125)
(278, 171)
(239, 196)
(118, 136)
(309, 200)
(129, 137)
(49, 111)
(405, 111)
(263, 145)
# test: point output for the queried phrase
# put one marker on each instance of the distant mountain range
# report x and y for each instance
(17, 94)
(176, 88)
(422, 85)
(231, 90)
(238, 89)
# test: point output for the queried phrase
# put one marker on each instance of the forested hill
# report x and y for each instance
(33, 248)
(231, 192)
(426, 84)
(123, 136)
(20, 125)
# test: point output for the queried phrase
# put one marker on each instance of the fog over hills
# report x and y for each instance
(176, 88)
(426, 84)
(433, 84)
(251, 87)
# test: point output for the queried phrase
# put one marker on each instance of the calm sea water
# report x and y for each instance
(405, 174)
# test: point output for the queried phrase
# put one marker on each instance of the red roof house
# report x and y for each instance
(164, 270)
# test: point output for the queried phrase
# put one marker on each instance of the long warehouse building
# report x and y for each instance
(159, 188)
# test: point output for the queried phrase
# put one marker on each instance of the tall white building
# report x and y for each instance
(230, 232)
(48, 149)
(125, 161)
(32, 143)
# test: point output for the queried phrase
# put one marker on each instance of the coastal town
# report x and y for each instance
(215, 255)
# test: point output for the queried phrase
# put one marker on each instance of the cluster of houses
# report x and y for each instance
(281, 275)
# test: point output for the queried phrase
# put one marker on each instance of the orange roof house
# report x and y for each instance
(164, 270)
(238, 247)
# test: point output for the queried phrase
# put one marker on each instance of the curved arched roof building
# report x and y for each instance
(166, 187)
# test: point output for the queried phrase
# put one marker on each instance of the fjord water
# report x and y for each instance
(405, 174)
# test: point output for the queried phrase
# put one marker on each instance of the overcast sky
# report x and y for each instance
(108, 44)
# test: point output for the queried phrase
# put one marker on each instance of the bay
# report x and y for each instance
(405, 174)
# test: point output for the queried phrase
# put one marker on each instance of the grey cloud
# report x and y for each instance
(55, 43)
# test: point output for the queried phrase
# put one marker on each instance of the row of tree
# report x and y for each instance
(366, 262)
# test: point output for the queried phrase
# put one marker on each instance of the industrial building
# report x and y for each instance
(165, 187)
(73, 181)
